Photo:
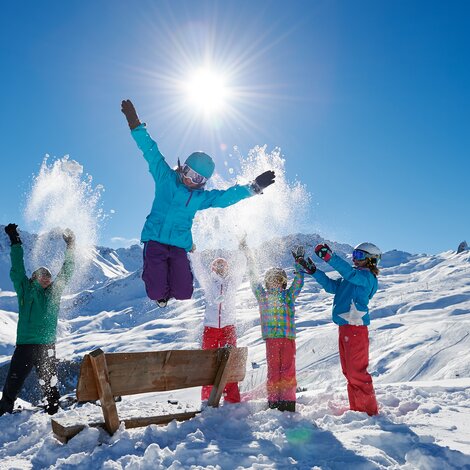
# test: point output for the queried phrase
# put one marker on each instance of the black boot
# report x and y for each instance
(287, 406)
(5, 407)
(273, 405)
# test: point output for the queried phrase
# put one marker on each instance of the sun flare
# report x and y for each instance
(207, 91)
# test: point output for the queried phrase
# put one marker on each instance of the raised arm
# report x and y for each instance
(297, 283)
(158, 167)
(17, 271)
(230, 196)
(308, 266)
(354, 276)
(256, 286)
(301, 266)
(68, 266)
(200, 270)
(330, 285)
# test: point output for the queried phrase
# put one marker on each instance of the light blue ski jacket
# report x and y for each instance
(175, 205)
(352, 292)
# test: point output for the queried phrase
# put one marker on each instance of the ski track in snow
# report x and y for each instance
(419, 343)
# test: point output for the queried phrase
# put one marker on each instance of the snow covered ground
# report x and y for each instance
(419, 359)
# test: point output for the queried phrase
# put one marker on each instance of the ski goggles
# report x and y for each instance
(359, 255)
(362, 255)
(192, 175)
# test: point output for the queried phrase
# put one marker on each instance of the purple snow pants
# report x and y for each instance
(167, 273)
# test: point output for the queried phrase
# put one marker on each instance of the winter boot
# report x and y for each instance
(5, 407)
(287, 406)
(162, 303)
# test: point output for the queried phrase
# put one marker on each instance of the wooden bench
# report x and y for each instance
(106, 376)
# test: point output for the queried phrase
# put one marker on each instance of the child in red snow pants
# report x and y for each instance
(281, 383)
(354, 355)
(214, 338)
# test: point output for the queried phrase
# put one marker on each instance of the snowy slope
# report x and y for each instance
(419, 359)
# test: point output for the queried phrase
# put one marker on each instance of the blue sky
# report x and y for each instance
(368, 101)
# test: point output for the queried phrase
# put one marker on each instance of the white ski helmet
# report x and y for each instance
(370, 250)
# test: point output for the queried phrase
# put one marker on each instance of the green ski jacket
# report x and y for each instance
(38, 308)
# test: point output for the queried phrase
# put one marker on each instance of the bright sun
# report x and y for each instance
(207, 91)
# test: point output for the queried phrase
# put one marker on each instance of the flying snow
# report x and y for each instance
(63, 196)
(282, 206)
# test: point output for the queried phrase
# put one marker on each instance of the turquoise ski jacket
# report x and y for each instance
(352, 292)
(175, 205)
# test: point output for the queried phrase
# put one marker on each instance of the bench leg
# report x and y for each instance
(108, 405)
(220, 379)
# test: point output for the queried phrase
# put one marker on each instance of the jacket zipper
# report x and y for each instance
(189, 198)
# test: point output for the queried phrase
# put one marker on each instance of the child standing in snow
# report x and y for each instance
(276, 306)
(38, 303)
(220, 289)
(179, 194)
(350, 311)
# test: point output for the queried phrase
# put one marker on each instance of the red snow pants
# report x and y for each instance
(214, 338)
(280, 357)
(354, 355)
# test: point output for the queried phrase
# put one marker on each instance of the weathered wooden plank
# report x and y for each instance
(108, 406)
(221, 378)
(66, 432)
(158, 371)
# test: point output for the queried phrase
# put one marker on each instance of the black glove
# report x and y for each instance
(131, 114)
(12, 231)
(307, 265)
(298, 252)
(263, 181)
(69, 238)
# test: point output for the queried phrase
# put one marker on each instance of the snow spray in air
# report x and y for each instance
(281, 209)
(62, 196)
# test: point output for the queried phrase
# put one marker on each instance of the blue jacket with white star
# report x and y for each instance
(352, 292)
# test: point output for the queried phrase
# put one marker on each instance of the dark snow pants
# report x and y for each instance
(354, 355)
(25, 357)
(167, 272)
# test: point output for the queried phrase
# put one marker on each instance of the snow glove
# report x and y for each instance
(12, 231)
(307, 265)
(298, 252)
(324, 252)
(263, 181)
(131, 114)
(69, 238)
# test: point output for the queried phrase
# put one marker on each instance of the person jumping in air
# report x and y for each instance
(220, 287)
(350, 311)
(38, 303)
(179, 194)
(277, 312)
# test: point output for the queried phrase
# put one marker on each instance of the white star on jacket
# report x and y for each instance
(354, 316)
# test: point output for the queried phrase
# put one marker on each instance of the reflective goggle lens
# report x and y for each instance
(195, 177)
(359, 255)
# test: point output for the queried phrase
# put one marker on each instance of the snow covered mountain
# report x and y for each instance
(420, 338)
